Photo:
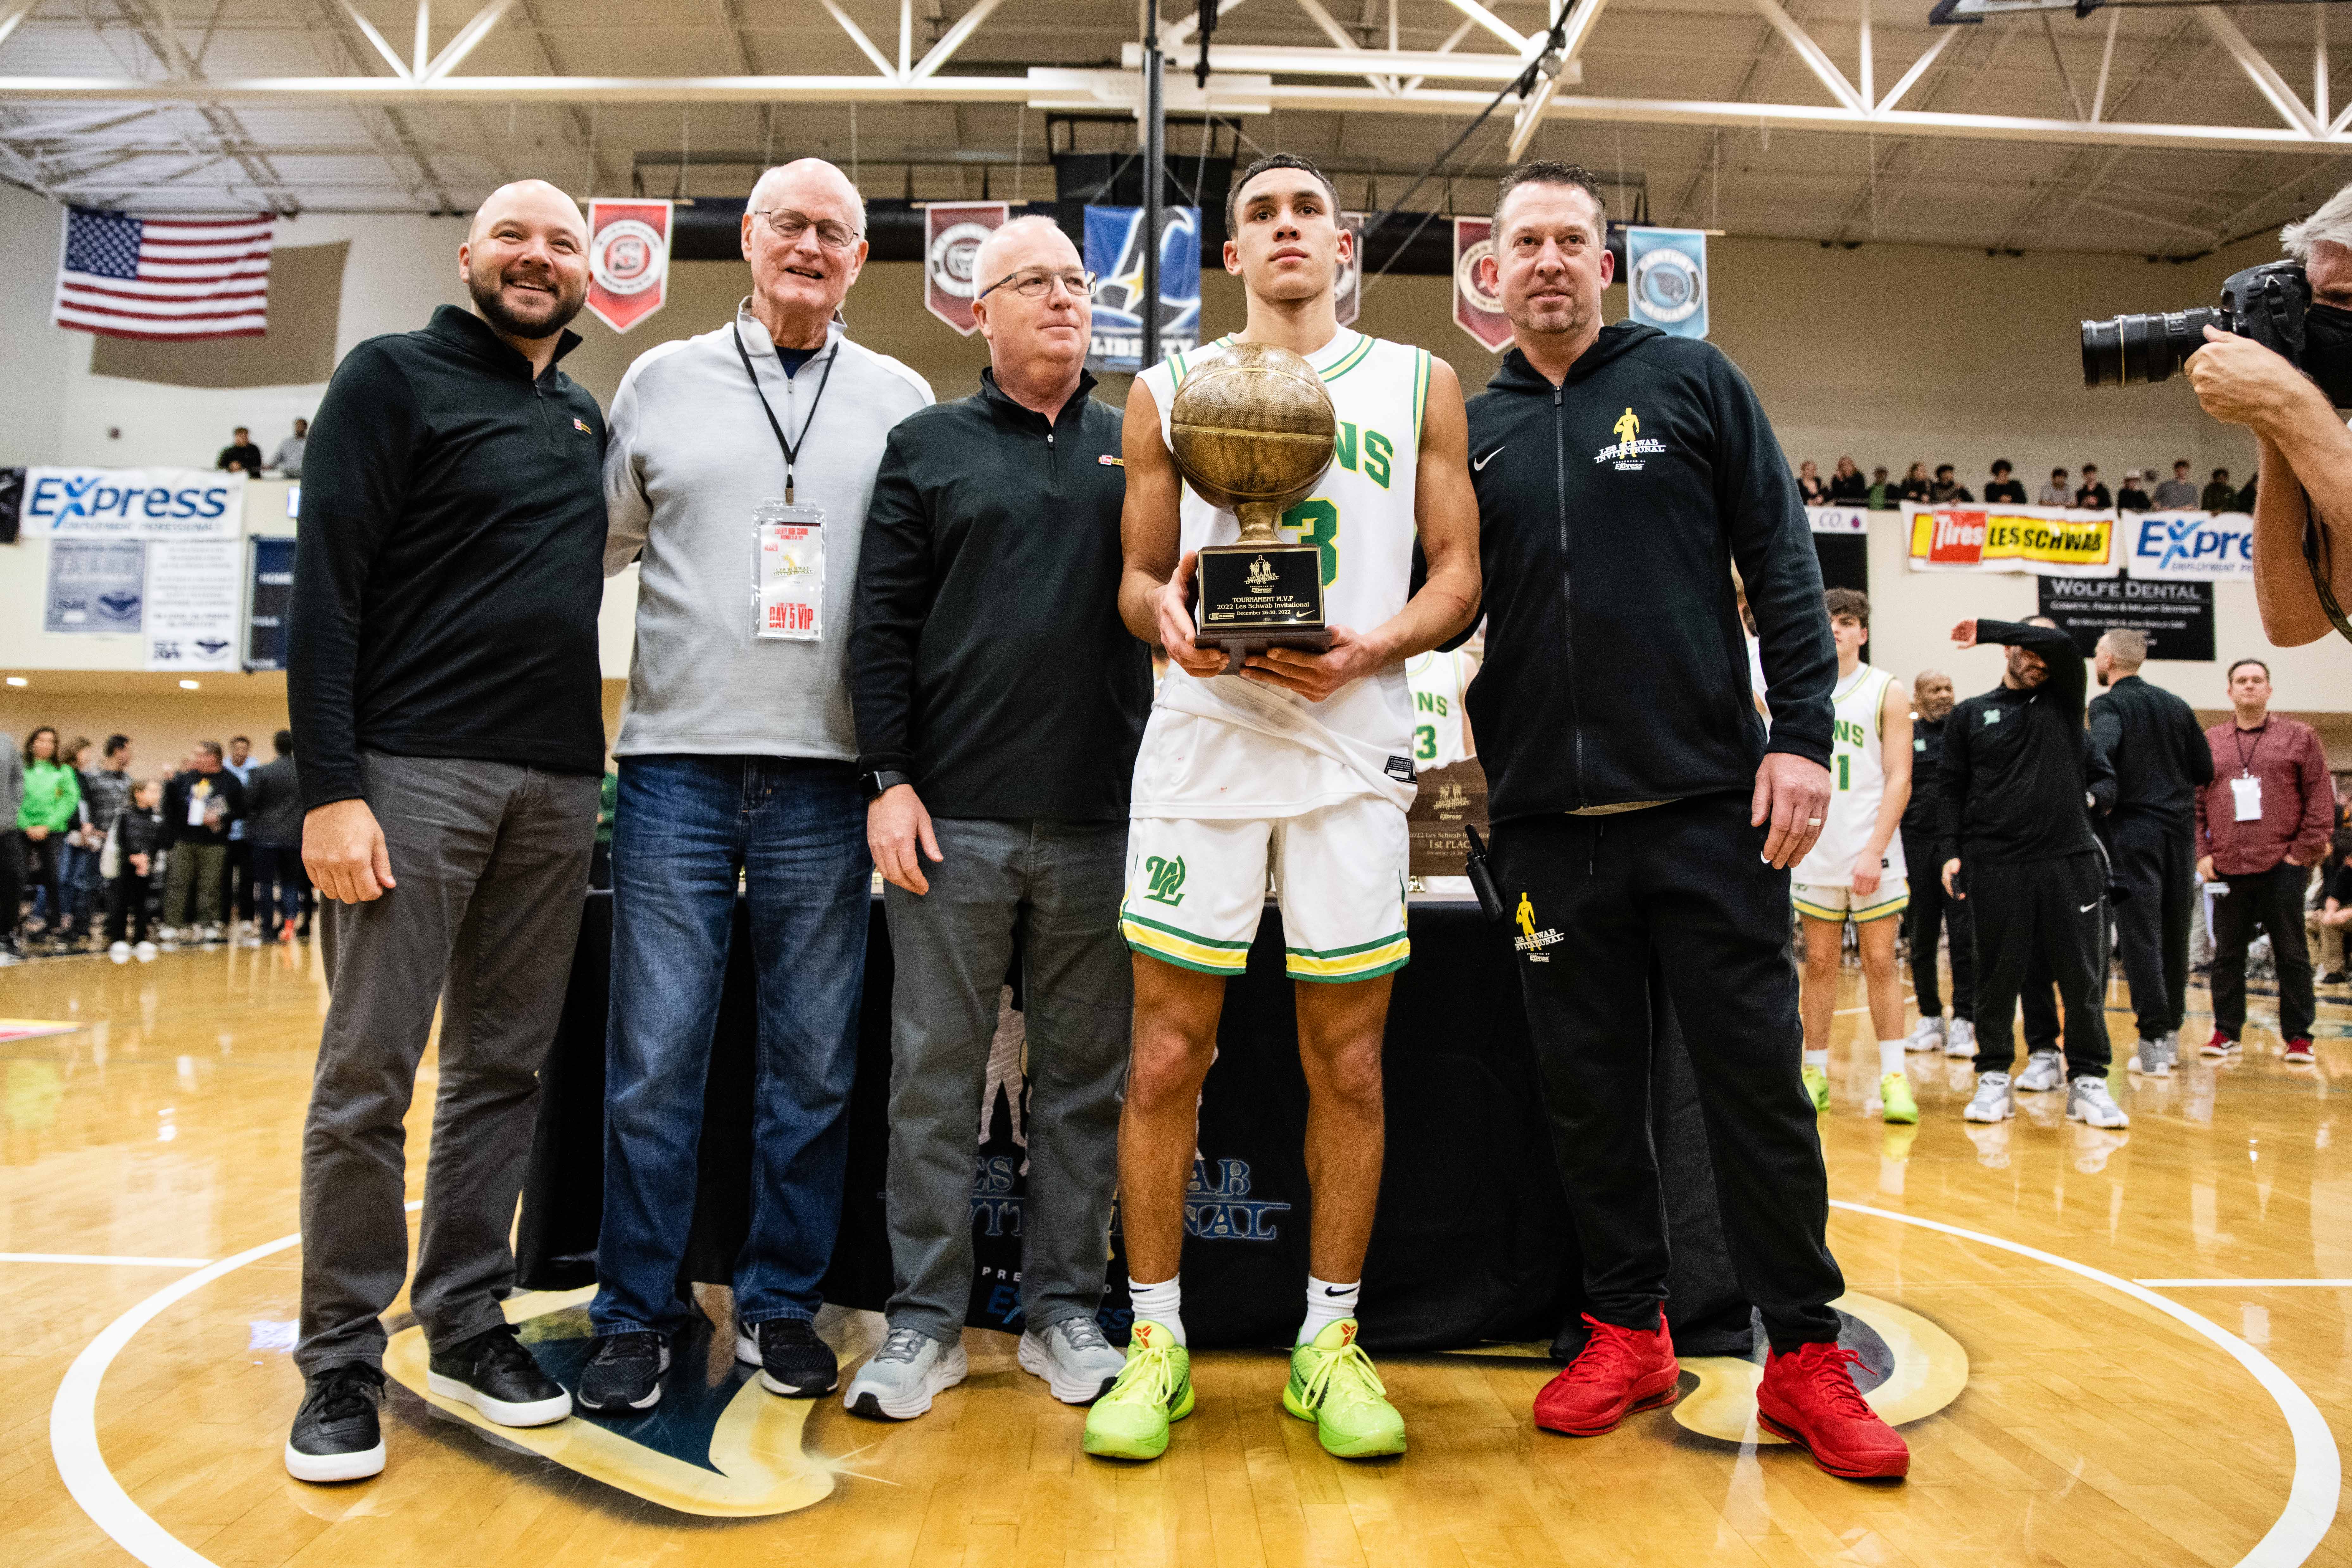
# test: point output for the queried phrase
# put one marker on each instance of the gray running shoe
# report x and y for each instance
(1960, 1040)
(2087, 1100)
(898, 1382)
(2147, 1057)
(1992, 1102)
(2042, 1073)
(1077, 1363)
(1927, 1035)
(2169, 1043)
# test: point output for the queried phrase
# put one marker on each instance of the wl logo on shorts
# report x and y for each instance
(1167, 880)
(1530, 941)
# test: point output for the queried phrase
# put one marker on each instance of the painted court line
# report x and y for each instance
(103, 1257)
(2245, 1283)
(2318, 1482)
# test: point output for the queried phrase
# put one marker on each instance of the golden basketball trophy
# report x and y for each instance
(1253, 429)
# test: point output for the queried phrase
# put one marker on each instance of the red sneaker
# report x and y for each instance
(2221, 1045)
(2298, 1051)
(1618, 1372)
(1810, 1399)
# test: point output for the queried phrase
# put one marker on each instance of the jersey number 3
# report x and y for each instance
(1317, 523)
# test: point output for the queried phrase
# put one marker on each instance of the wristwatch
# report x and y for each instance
(874, 783)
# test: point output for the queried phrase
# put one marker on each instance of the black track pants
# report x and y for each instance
(1932, 912)
(1595, 903)
(2272, 901)
(2055, 910)
(2155, 866)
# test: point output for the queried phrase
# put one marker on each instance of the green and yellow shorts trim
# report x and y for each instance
(1197, 888)
(1842, 903)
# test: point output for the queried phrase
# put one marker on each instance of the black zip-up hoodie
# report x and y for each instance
(1611, 510)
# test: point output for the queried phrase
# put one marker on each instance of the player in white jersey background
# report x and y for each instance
(1300, 765)
(1440, 724)
(1855, 869)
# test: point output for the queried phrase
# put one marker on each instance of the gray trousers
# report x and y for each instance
(1059, 883)
(491, 861)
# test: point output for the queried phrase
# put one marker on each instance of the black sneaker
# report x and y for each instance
(492, 1373)
(337, 1435)
(624, 1374)
(792, 1360)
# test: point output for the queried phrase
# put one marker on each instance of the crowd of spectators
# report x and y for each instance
(94, 857)
(2142, 491)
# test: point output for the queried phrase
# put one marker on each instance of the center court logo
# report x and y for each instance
(1167, 880)
(1530, 941)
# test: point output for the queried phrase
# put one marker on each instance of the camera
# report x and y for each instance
(2267, 304)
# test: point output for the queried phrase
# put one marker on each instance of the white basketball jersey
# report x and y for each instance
(1857, 785)
(1437, 681)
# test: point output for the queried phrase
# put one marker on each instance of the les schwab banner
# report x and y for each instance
(2048, 542)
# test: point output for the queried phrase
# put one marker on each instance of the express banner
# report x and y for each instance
(1115, 255)
(953, 235)
(2048, 542)
(2190, 546)
(131, 503)
(1476, 311)
(628, 261)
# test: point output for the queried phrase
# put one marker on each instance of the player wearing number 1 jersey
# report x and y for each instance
(1854, 869)
(1300, 765)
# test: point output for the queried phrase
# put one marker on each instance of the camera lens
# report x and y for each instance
(2132, 351)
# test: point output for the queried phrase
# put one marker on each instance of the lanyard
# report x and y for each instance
(791, 448)
(2245, 757)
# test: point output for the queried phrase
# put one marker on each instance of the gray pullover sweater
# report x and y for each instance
(691, 458)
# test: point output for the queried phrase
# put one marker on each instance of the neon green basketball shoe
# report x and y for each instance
(1332, 1384)
(1154, 1388)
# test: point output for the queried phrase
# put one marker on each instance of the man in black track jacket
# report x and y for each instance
(2017, 844)
(1644, 823)
(2161, 760)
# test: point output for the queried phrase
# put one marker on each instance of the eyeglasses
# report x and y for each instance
(1036, 285)
(790, 226)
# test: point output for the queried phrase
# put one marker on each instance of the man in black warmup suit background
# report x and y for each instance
(1933, 911)
(2019, 847)
(2161, 759)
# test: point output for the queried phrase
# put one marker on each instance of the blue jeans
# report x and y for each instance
(684, 828)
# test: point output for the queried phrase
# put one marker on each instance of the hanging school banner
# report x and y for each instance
(2190, 546)
(1665, 279)
(628, 261)
(2048, 542)
(269, 594)
(1476, 311)
(1115, 255)
(131, 503)
(953, 233)
(194, 589)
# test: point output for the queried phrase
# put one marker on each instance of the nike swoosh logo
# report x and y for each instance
(2086, 908)
(1479, 465)
(1342, 1290)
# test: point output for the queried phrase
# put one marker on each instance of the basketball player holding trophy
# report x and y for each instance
(1276, 483)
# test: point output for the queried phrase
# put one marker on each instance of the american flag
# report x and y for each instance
(164, 278)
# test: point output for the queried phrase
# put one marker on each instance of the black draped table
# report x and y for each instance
(1473, 1240)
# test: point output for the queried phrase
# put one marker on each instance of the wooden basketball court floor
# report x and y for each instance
(2111, 1348)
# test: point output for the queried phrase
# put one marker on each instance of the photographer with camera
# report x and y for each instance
(2277, 358)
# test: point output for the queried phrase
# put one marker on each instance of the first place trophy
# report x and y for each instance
(1253, 431)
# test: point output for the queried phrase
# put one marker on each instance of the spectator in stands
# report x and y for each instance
(1881, 496)
(2091, 495)
(2328, 923)
(288, 457)
(12, 849)
(2219, 495)
(1847, 486)
(105, 791)
(2177, 493)
(2055, 493)
(236, 876)
(2245, 501)
(199, 807)
(2263, 822)
(1946, 487)
(273, 844)
(240, 456)
(138, 830)
(51, 809)
(2002, 486)
(2131, 498)
(1915, 485)
(1810, 489)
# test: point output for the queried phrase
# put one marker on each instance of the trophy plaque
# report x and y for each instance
(1252, 430)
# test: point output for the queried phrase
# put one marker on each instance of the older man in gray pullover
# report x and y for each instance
(737, 475)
